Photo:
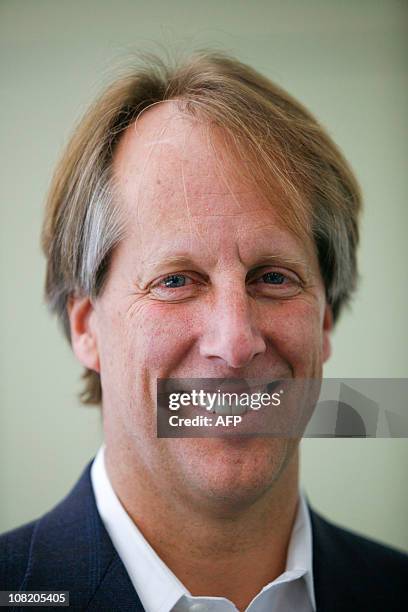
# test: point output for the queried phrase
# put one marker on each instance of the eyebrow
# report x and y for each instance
(281, 258)
(169, 260)
(161, 263)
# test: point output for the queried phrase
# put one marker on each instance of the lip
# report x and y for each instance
(227, 385)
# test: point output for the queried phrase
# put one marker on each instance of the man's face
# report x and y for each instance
(207, 283)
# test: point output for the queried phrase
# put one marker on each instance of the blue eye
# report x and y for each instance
(274, 278)
(174, 280)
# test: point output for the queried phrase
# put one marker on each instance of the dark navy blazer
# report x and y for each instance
(68, 549)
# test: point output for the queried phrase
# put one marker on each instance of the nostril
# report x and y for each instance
(237, 352)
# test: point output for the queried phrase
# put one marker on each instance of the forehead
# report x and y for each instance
(179, 178)
(168, 151)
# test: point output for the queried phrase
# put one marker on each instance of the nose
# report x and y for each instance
(231, 333)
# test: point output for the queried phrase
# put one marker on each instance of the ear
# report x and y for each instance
(81, 316)
(327, 329)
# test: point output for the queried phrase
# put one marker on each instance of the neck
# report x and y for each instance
(213, 553)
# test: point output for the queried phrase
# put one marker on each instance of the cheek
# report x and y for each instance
(157, 336)
(294, 330)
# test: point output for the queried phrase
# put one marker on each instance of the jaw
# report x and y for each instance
(226, 474)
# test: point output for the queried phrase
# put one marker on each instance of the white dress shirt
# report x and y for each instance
(160, 590)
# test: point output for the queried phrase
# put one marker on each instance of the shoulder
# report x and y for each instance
(68, 549)
(365, 571)
(14, 554)
(344, 543)
(40, 547)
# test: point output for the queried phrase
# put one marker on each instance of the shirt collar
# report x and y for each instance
(300, 546)
(158, 588)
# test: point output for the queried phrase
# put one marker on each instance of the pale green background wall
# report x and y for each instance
(346, 60)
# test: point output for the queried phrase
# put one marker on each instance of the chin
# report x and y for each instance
(232, 472)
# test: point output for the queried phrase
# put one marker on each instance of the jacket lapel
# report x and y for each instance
(115, 592)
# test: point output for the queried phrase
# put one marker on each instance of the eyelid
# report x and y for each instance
(257, 273)
(189, 274)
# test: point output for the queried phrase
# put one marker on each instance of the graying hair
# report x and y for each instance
(96, 233)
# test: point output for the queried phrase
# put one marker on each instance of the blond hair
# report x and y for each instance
(285, 143)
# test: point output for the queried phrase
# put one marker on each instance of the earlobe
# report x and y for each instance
(83, 333)
(327, 329)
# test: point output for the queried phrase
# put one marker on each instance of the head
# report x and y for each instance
(200, 224)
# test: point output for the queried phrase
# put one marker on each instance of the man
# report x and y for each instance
(201, 224)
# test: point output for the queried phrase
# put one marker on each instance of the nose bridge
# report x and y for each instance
(235, 309)
(232, 333)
